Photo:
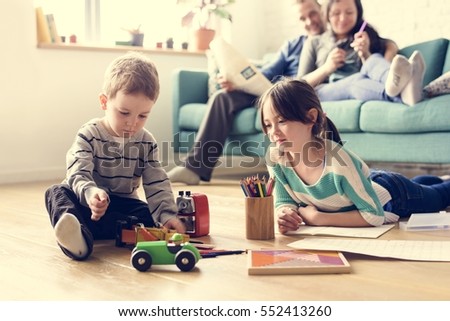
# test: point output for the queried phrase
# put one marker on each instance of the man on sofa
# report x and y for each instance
(224, 104)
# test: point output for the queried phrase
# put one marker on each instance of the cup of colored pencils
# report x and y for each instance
(253, 186)
(259, 207)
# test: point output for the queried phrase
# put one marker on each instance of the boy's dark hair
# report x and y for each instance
(131, 73)
(292, 99)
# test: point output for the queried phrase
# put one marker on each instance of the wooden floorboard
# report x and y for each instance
(34, 268)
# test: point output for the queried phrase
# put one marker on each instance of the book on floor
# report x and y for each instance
(296, 261)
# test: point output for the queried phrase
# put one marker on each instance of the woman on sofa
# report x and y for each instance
(320, 182)
(351, 61)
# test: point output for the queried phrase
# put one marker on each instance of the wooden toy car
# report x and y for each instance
(130, 232)
(174, 251)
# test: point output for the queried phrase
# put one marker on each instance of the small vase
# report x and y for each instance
(137, 39)
(169, 43)
(202, 38)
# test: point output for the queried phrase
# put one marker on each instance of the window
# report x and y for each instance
(105, 21)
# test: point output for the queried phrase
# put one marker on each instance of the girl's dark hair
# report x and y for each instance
(377, 44)
(292, 99)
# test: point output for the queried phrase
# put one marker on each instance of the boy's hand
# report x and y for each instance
(175, 224)
(98, 203)
(288, 220)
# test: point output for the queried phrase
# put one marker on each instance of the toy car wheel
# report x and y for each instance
(141, 260)
(185, 260)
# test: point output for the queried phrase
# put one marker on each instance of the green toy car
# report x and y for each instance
(147, 253)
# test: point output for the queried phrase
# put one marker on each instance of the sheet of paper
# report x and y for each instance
(364, 232)
(399, 249)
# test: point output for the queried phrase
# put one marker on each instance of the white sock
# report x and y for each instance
(413, 91)
(183, 175)
(68, 234)
(399, 75)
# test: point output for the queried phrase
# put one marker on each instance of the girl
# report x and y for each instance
(320, 182)
(351, 61)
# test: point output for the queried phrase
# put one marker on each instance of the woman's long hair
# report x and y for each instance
(377, 44)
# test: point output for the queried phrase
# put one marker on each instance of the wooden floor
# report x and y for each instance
(33, 267)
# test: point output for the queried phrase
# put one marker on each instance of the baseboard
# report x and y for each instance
(35, 175)
(228, 167)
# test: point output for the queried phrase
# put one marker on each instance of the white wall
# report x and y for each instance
(47, 94)
(404, 21)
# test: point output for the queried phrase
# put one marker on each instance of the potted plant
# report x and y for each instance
(199, 18)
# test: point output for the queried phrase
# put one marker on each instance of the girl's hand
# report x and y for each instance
(335, 60)
(310, 215)
(176, 224)
(361, 44)
(98, 203)
(288, 220)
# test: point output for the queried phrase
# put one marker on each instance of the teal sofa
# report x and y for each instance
(378, 131)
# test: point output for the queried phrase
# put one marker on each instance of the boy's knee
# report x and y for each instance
(57, 189)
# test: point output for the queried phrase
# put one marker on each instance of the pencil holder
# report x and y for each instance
(259, 218)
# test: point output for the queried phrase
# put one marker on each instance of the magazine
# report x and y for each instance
(237, 69)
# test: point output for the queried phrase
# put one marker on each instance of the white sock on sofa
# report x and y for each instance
(413, 91)
(68, 234)
(183, 175)
(399, 75)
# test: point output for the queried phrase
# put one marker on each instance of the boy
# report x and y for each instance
(108, 160)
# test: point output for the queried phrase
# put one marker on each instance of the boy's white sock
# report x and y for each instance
(183, 175)
(413, 91)
(399, 75)
(68, 234)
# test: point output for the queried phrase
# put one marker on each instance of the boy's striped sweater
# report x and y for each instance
(118, 166)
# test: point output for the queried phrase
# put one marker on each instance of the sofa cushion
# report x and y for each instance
(447, 61)
(191, 116)
(434, 53)
(344, 114)
(245, 123)
(430, 115)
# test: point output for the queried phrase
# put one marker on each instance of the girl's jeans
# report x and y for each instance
(422, 194)
(367, 84)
